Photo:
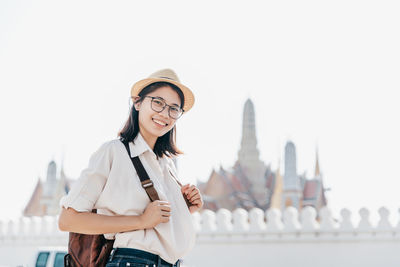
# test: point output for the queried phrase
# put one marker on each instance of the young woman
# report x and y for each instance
(146, 233)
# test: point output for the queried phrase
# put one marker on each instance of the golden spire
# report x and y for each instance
(277, 193)
(317, 172)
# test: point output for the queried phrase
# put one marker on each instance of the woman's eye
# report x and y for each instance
(158, 102)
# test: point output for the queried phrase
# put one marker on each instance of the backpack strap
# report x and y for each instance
(145, 180)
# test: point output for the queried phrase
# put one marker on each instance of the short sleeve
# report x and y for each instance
(87, 189)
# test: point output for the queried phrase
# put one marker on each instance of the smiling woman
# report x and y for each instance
(157, 231)
(154, 121)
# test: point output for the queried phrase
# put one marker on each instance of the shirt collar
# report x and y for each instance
(139, 147)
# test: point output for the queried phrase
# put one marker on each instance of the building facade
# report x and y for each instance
(47, 194)
(250, 183)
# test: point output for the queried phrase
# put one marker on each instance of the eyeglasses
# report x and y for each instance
(158, 105)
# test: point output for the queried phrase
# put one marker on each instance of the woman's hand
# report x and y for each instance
(192, 194)
(155, 213)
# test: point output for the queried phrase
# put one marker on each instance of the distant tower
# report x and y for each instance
(51, 171)
(49, 185)
(53, 189)
(248, 155)
(292, 192)
(51, 181)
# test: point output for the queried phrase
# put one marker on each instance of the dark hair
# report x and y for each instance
(165, 145)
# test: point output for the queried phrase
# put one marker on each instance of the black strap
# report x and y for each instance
(147, 183)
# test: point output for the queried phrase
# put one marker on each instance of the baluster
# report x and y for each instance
(240, 220)
(327, 223)
(224, 218)
(290, 220)
(274, 220)
(384, 227)
(208, 219)
(346, 224)
(364, 228)
(256, 217)
(308, 219)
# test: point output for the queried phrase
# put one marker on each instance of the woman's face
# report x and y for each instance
(154, 124)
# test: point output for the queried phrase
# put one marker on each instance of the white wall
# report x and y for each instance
(247, 239)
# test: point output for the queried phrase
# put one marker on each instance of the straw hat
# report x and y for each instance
(169, 76)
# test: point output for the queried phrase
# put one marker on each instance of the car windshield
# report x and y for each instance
(42, 259)
(59, 259)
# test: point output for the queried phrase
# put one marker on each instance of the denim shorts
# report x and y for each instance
(137, 258)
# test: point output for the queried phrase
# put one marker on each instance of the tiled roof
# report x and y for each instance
(311, 189)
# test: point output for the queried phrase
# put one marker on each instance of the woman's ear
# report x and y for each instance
(136, 102)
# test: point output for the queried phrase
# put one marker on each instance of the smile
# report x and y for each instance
(161, 123)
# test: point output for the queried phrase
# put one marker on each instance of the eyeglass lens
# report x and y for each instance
(158, 105)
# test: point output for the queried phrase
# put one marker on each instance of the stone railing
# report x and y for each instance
(273, 224)
(242, 238)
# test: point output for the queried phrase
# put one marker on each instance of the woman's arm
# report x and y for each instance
(92, 223)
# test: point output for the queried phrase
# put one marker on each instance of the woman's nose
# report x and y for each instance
(164, 113)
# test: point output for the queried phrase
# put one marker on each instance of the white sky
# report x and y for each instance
(320, 73)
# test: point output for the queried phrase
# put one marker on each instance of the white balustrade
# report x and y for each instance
(256, 221)
(247, 230)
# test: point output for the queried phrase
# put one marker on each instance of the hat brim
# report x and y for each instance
(187, 93)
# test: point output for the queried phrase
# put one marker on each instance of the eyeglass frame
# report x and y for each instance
(165, 105)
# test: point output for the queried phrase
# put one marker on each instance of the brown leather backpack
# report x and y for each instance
(87, 250)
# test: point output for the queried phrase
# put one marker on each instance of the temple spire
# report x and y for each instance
(248, 155)
(292, 190)
(276, 199)
(317, 171)
(290, 164)
(248, 146)
(62, 172)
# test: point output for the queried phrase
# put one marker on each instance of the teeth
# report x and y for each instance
(159, 122)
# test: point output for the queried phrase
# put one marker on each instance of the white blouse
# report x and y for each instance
(111, 185)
